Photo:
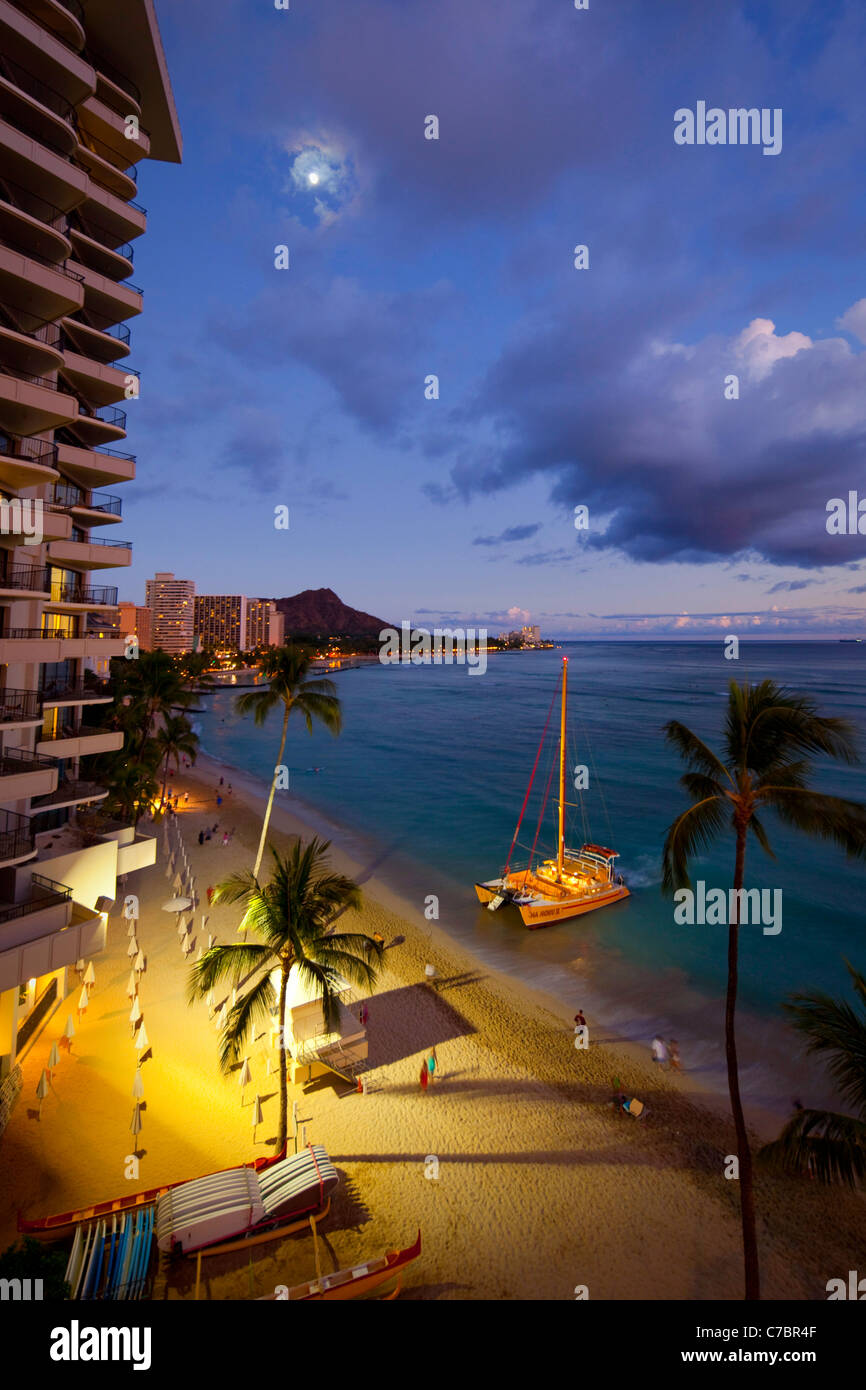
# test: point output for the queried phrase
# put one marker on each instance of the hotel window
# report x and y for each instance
(59, 624)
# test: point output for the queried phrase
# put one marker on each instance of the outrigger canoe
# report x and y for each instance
(224, 1210)
(355, 1282)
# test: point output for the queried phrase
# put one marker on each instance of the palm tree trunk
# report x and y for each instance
(271, 795)
(744, 1153)
(284, 1097)
(164, 779)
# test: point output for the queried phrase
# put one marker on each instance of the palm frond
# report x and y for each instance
(829, 1146)
(693, 751)
(823, 817)
(692, 831)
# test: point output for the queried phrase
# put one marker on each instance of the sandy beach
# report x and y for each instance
(541, 1186)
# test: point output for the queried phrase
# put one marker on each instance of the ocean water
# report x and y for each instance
(432, 765)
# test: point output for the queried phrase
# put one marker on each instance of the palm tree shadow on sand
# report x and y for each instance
(404, 1021)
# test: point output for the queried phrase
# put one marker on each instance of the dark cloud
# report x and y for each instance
(789, 585)
(511, 533)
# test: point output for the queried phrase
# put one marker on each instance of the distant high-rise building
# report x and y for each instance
(172, 606)
(136, 622)
(264, 624)
(221, 620)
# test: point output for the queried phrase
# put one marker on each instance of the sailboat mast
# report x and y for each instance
(561, 848)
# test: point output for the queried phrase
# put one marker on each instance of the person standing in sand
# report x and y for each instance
(432, 1063)
(425, 1076)
(660, 1052)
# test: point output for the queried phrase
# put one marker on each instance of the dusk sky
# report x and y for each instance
(559, 387)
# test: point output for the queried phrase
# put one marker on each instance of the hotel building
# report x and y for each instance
(84, 95)
(265, 625)
(136, 622)
(232, 622)
(172, 612)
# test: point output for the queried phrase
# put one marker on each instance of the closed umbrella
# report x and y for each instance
(132, 948)
(131, 985)
(211, 942)
(200, 954)
(210, 1002)
(142, 1042)
(136, 1120)
(82, 1002)
(246, 1077)
(187, 946)
(53, 1057)
(257, 1116)
(135, 1011)
(42, 1089)
(90, 976)
(130, 930)
(79, 966)
(139, 963)
(69, 1032)
(138, 1085)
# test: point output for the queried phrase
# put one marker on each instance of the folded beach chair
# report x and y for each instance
(635, 1107)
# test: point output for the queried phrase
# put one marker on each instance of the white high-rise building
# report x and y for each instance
(172, 605)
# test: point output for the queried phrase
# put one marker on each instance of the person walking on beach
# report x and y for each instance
(660, 1052)
(210, 892)
(579, 1019)
(219, 801)
(229, 789)
(425, 1076)
(225, 838)
(201, 837)
(221, 781)
(432, 1063)
(186, 798)
(676, 1064)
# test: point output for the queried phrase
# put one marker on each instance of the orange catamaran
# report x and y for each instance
(576, 881)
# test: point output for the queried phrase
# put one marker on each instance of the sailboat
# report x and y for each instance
(575, 882)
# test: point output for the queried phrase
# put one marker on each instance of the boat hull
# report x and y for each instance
(546, 912)
(358, 1281)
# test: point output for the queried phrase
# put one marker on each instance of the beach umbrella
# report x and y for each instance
(257, 1116)
(210, 1002)
(135, 1011)
(181, 925)
(200, 954)
(187, 946)
(53, 1057)
(176, 904)
(138, 1085)
(139, 963)
(130, 930)
(142, 1042)
(211, 942)
(304, 1137)
(42, 1089)
(82, 1002)
(131, 985)
(132, 948)
(69, 1032)
(90, 976)
(135, 1127)
(79, 966)
(246, 1077)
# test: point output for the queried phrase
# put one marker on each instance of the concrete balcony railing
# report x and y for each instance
(101, 383)
(92, 554)
(30, 404)
(95, 467)
(104, 345)
(24, 774)
(80, 741)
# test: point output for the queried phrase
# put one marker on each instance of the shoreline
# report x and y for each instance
(362, 858)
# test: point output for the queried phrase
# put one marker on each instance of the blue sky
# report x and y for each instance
(559, 387)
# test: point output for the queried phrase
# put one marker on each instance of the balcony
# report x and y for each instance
(43, 290)
(80, 596)
(34, 107)
(97, 118)
(94, 507)
(69, 793)
(53, 936)
(107, 300)
(20, 708)
(98, 344)
(123, 220)
(101, 384)
(50, 645)
(16, 838)
(72, 740)
(29, 222)
(43, 169)
(114, 170)
(64, 18)
(26, 462)
(24, 581)
(92, 554)
(94, 467)
(114, 88)
(29, 404)
(96, 426)
(35, 354)
(23, 774)
(54, 693)
(91, 251)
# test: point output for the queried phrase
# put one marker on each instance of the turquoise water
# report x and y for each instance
(432, 766)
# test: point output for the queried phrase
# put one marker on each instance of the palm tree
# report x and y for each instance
(174, 740)
(769, 737)
(132, 785)
(830, 1146)
(153, 688)
(293, 916)
(285, 669)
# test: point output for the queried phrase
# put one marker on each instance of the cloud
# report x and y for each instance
(854, 320)
(788, 585)
(511, 533)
